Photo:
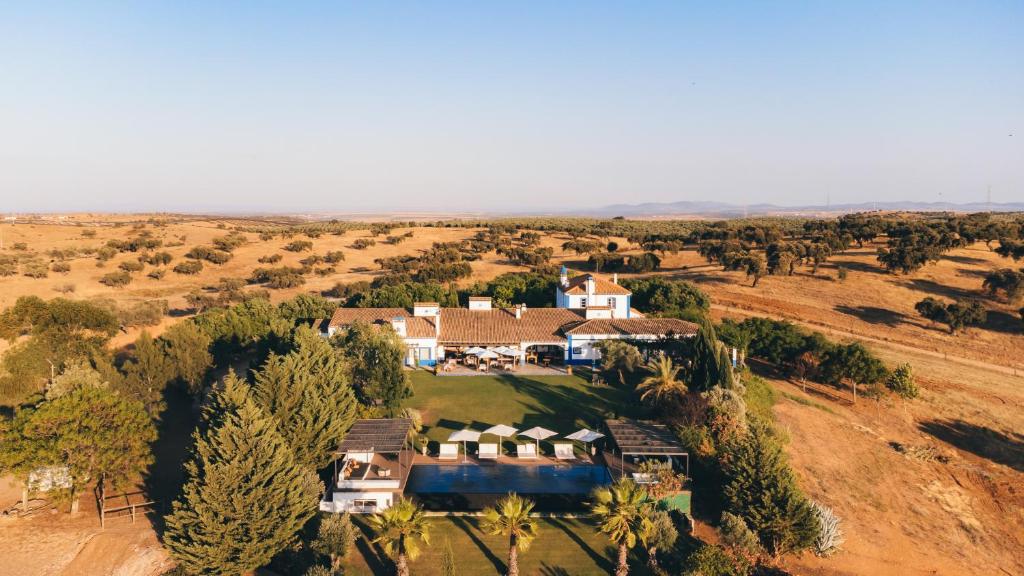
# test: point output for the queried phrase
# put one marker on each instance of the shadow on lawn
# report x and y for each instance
(599, 559)
(372, 554)
(874, 315)
(465, 525)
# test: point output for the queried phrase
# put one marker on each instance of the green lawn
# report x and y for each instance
(561, 403)
(563, 547)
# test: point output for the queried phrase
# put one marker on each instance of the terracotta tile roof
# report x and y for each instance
(480, 298)
(633, 327)
(415, 326)
(578, 285)
(500, 326)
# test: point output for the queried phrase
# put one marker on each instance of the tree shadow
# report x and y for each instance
(968, 273)
(873, 314)
(599, 559)
(548, 570)
(470, 531)
(173, 445)
(372, 554)
(857, 266)
(940, 289)
(963, 259)
(1005, 449)
(999, 321)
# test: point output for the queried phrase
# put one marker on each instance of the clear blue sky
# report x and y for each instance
(515, 105)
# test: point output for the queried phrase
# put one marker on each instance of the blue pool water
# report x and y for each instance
(502, 478)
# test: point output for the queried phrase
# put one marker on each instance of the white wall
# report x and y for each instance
(621, 307)
(345, 502)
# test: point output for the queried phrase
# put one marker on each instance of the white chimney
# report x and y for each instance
(479, 303)
(615, 277)
(398, 323)
(519, 311)
(591, 286)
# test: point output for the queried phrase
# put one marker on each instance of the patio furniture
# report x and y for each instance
(526, 451)
(531, 357)
(644, 478)
(564, 451)
(483, 367)
(448, 452)
(488, 451)
(464, 435)
(508, 366)
(546, 362)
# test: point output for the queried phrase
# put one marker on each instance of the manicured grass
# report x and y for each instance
(563, 547)
(560, 403)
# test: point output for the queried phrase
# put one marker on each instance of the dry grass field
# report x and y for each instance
(931, 486)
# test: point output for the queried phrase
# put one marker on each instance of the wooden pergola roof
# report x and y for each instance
(643, 438)
(379, 435)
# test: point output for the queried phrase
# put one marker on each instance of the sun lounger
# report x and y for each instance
(526, 451)
(488, 451)
(564, 451)
(644, 478)
(448, 452)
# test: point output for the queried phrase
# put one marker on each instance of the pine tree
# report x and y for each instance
(147, 374)
(188, 347)
(96, 433)
(761, 489)
(245, 497)
(307, 392)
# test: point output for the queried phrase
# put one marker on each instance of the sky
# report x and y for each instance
(452, 107)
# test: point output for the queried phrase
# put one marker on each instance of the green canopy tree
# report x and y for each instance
(99, 435)
(761, 489)
(619, 357)
(623, 512)
(510, 517)
(711, 364)
(400, 529)
(245, 497)
(147, 373)
(188, 349)
(334, 538)
(377, 371)
(307, 392)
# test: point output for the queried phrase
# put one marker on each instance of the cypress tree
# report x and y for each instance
(307, 392)
(245, 497)
(712, 365)
(761, 489)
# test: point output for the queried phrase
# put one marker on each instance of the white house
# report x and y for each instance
(371, 468)
(587, 309)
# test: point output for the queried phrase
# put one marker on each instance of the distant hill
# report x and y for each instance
(726, 210)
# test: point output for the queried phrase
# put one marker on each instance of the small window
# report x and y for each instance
(583, 302)
(611, 303)
(365, 504)
(577, 350)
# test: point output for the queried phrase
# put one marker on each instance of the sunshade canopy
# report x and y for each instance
(487, 354)
(475, 350)
(466, 435)
(538, 433)
(501, 430)
(585, 435)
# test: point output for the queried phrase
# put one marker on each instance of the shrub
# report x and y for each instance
(116, 279)
(8, 268)
(901, 381)
(363, 243)
(266, 236)
(159, 259)
(841, 274)
(88, 233)
(157, 273)
(830, 536)
(189, 268)
(230, 242)
(105, 253)
(36, 269)
(271, 259)
(131, 266)
(334, 256)
(64, 288)
(298, 246)
(61, 267)
(20, 246)
(286, 281)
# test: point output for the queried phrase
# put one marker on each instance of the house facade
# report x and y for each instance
(587, 310)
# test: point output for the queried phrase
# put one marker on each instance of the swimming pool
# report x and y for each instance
(503, 478)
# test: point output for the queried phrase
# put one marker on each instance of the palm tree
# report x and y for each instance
(399, 530)
(662, 383)
(511, 516)
(622, 511)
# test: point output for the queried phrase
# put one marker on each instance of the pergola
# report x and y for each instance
(378, 436)
(633, 438)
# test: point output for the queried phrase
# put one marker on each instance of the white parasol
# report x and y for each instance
(538, 434)
(464, 436)
(501, 431)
